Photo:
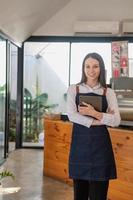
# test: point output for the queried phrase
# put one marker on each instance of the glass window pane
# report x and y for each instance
(46, 74)
(2, 95)
(13, 96)
(130, 56)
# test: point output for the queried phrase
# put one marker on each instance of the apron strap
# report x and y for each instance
(77, 89)
(104, 91)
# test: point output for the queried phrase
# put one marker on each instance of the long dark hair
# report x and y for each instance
(101, 78)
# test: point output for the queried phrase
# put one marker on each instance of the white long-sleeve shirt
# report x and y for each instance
(107, 119)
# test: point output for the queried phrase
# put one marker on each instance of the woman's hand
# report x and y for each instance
(86, 109)
(89, 110)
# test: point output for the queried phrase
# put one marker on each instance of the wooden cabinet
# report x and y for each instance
(56, 154)
(122, 187)
(56, 149)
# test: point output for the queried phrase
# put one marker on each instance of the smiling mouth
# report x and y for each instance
(91, 75)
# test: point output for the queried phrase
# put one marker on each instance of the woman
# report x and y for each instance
(91, 161)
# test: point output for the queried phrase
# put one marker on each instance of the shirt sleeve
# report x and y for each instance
(112, 120)
(72, 112)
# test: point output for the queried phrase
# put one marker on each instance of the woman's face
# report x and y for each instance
(92, 69)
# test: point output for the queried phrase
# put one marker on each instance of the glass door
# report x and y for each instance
(2, 96)
(13, 96)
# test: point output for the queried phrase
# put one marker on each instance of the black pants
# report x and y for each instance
(90, 190)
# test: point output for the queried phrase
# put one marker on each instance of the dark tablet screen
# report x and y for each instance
(95, 101)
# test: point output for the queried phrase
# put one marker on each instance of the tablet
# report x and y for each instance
(95, 101)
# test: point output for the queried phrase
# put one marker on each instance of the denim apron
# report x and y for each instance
(91, 155)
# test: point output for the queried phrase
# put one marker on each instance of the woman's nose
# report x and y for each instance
(91, 70)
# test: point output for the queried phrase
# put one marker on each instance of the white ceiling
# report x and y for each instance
(22, 18)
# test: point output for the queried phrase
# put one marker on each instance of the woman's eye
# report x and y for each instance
(93, 67)
(96, 66)
(87, 66)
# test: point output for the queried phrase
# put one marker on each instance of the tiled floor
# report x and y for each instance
(27, 165)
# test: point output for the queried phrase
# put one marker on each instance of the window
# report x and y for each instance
(130, 55)
(46, 74)
(48, 70)
(2, 95)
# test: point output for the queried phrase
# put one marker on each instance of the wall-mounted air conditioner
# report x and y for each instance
(127, 27)
(96, 27)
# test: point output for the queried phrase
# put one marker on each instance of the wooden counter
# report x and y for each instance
(56, 154)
